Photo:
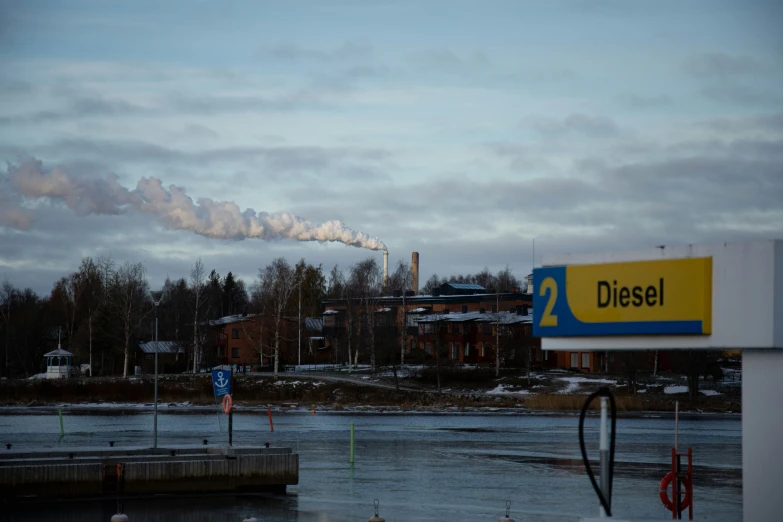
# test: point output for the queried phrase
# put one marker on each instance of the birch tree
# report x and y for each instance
(367, 280)
(197, 282)
(401, 280)
(7, 295)
(129, 291)
(277, 282)
(95, 277)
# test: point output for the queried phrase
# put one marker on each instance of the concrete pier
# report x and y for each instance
(96, 472)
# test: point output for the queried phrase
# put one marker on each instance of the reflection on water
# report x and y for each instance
(420, 466)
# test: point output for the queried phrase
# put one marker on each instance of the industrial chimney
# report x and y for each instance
(385, 267)
(415, 273)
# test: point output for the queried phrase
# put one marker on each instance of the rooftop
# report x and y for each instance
(488, 317)
(59, 352)
(161, 347)
(237, 318)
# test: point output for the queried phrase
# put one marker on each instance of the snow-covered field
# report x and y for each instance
(575, 383)
(503, 389)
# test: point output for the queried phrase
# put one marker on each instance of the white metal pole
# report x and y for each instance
(300, 323)
(603, 449)
(155, 427)
(676, 424)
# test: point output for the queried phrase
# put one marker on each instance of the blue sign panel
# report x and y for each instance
(221, 382)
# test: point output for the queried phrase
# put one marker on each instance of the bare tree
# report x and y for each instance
(432, 283)
(197, 283)
(401, 280)
(367, 280)
(129, 303)
(68, 292)
(95, 277)
(277, 282)
(7, 294)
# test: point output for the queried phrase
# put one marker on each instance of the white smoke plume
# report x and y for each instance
(171, 207)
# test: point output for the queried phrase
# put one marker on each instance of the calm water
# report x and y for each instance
(421, 467)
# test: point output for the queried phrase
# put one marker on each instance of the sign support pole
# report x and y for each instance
(603, 449)
(230, 427)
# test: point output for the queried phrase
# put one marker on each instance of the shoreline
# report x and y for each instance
(298, 409)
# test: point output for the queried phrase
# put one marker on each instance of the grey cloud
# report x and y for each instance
(86, 105)
(81, 107)
(540, 75)
(197, 131)
(446, 60)
(277, 158)
(740, 94)
(689, 193)
(767, 122)
(722, 65)
(581, 124)
(521, 157)
(644, 102)
(293, 52)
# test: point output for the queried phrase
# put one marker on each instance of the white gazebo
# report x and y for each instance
(58, 363)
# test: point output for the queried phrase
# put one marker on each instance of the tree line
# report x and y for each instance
(103, 310)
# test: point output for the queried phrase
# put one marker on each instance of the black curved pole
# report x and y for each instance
(606, 501)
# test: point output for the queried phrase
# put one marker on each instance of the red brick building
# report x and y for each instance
(467, 308)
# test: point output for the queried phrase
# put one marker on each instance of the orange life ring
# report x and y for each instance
(228, 402)
(664, 492)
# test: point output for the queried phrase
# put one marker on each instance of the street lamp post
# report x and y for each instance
(299, 322)
(157, 297)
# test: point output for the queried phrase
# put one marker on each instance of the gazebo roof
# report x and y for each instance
(59, 352)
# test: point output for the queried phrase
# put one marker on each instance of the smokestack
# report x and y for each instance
(385, 267)
(415, 273)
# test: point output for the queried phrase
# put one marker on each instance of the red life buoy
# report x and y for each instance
(664, 492)
(227, 403)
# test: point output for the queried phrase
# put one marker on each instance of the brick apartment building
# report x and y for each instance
(250, 338)
(468, 309)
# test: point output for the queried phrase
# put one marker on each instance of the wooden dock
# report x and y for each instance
(49, 473)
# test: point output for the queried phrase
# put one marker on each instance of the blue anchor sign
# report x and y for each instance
(221, 382)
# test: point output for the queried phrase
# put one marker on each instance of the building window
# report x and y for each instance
(483, 350)
(454, 351)
(467, 349)
(574, 360)
(456, 328)
(545, 355)
(235, 333)
(428, 348)
(235, 353)
(586, 360)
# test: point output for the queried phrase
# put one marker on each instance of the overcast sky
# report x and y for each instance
(459, 129)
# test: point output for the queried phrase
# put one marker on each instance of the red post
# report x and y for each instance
(269, 412)
(674, 484)
(690, 481)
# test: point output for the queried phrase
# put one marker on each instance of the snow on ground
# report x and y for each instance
(37, 376)
(574, 383)
(502, 389)
(710, 393)
(675, 389)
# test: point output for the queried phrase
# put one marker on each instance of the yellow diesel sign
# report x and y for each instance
(665, 297)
